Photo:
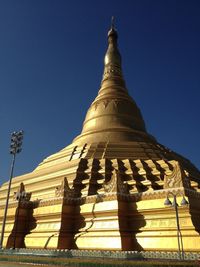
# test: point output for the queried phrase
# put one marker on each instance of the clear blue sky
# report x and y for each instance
(51, 63)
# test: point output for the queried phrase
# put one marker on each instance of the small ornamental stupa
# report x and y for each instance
(107, 189)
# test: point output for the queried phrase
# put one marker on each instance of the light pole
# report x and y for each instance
(175, 205)
(15, 147)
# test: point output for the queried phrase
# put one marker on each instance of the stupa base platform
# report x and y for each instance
(112, 221)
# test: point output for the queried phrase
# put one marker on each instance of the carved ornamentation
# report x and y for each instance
(114, 195)
(116, 184)
(176, 178)
(64, 190)
(112, 70)
(115, 103)
(107, 102)
(21, 194)
(110, 186)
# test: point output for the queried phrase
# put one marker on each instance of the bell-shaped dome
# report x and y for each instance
(113, 115)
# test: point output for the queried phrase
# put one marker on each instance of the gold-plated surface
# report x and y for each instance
(113, 115)
(106, 190)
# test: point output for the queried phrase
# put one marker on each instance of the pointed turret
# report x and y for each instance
(113, 115)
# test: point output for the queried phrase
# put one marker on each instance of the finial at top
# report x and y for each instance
(112, 56)
(112, 30)
(112, 22)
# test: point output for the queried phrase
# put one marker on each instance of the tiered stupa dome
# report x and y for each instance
(94, 193)
(114, 130)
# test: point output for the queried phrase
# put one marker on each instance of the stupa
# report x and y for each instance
(107, 189)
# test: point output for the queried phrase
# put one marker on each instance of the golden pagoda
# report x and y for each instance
(107, 189)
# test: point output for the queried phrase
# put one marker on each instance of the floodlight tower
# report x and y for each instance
(15, 147)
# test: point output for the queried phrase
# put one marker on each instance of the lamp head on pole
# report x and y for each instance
(184, 202)
(16, 142)
(167, 202)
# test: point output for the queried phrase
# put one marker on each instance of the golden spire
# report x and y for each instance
(112, 60)
(113, 115)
